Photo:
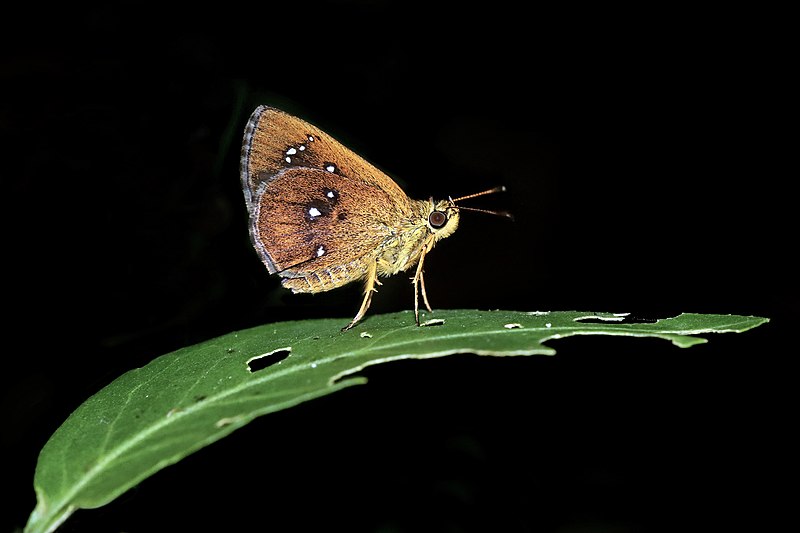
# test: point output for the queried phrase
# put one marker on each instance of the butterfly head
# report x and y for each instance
(442, 218)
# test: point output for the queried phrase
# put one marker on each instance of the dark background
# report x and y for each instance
(644, 154)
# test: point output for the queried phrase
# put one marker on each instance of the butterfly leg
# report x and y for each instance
(424, 294)
(419, 284)
(369, 288)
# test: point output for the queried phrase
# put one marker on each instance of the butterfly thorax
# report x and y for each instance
(415, 234)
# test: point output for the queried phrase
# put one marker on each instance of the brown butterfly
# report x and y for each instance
(322, 217)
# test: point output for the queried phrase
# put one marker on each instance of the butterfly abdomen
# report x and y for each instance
(325, 279)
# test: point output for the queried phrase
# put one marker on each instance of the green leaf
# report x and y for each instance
(154, 416)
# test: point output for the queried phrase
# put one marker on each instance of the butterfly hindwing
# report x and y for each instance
(306, 221)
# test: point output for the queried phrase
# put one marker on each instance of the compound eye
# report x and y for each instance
(437, 219)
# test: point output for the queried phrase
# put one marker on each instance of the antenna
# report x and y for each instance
(500, 188)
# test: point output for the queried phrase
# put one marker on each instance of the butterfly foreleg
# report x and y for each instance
(419, 283)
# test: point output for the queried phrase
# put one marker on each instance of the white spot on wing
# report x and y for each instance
(288, 159)
(314, 212)
(330, 168)
(330, 194)
(320, 251)
(301, 147)
(291, 151)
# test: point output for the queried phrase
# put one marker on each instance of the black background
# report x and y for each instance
(644, 156)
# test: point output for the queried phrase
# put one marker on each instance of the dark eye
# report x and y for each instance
(437, 219)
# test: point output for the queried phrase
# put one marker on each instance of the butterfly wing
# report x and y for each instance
(275, 141)
(318, 212)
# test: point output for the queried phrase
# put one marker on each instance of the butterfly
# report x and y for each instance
(320, 216)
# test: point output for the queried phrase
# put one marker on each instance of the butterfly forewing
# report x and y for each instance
(275, 140)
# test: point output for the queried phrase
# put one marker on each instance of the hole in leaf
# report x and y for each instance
(260, 362)
(619, 318)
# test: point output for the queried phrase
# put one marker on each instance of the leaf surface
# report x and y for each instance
(154, 416)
